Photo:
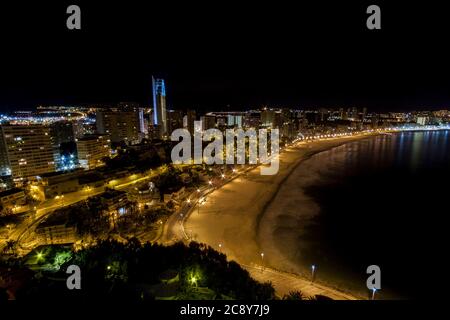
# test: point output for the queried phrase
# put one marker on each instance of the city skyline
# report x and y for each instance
(222, 151)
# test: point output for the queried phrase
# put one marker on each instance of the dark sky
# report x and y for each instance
(219, 53)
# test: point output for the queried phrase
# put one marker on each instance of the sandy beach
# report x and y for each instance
(233, 218)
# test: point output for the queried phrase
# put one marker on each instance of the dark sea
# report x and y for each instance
(379, 201)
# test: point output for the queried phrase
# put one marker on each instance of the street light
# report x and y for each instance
(262, 261)
(39, 256)
(62, 199)
(313, 270)
(193, 280)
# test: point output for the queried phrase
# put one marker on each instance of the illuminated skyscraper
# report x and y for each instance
(159, 106)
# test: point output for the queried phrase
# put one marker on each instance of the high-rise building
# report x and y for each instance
(92, 149)
(61, 132)
(159, 106)
(5, 169)
(208, 122)
(188, 121)
(267, 117)
(234, 119)
(364, 113)
(120, 125)
(354, 113)
(84, 127)
(252, 119)
(135, 107)
(422, 120)
(277, 120)
(25, 151)
(154, 133)
(324, 114)
(174, 120)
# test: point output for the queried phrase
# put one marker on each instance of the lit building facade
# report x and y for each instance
(92, 149)
(26, 151)
(120, 125)
(208, 122)
(159, 105)
(9, 199)
(188, 121)
(422, 120)
(174, 120)
(61, 132)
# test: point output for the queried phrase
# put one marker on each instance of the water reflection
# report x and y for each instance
(365, 202)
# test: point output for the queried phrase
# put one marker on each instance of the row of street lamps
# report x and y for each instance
(313, 273)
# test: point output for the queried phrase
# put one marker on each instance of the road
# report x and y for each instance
(174, 230)
(24, 229)
(44, 209)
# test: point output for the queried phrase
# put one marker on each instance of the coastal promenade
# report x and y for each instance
(284, 282)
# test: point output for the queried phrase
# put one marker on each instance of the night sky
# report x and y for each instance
(222, 55)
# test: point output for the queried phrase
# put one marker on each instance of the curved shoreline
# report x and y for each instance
(289, 266)
(270, 239)
(230, 221)
(291, 170)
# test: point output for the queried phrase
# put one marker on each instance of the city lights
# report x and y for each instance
(151, 174)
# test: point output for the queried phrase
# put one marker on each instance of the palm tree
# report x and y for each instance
(294, 295)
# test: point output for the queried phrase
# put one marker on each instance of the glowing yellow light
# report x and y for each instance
(39, 256)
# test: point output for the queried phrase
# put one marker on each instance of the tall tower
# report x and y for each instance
(159, 106)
